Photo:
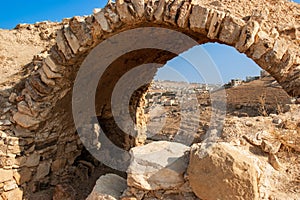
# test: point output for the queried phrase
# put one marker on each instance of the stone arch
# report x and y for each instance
(269, 38)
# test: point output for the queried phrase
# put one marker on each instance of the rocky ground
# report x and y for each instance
(268, 144)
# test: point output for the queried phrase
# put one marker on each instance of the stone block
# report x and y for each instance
(222, 171)
(184, 15)
(247, 37)
(199, 18)
(108, 187)
(43, 170)
(25, 121)
(215, 24)
(5, 175)
(72, 40)
(158, 165)
(231, 29)
(23, 175)
(101, 19)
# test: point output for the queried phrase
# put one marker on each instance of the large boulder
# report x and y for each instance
(158, 165)
(108, 187)
(222, 171)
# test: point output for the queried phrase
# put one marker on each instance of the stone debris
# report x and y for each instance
(108, 187)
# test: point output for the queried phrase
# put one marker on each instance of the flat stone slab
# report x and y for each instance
(158, 165)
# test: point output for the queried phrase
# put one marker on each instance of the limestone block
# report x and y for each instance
(231, 29)
(45, 79)
(101, 19)
(158, 165)
(215, 24)
(58, 164)
(72, 41)
(51, 64)
(5, 175)
(43, 169)
(108, 187)
(158, 14)
(16, 194)
(151, 7)
(222, 171)
(113, 17)
(247, 37)
(199, 18)
(123, 11)
(32, 160)
(37, 84)
(10, 185)
(63, 45)
(23, 175)
(80, 29)
(184, 14)
(25, 121)
(23, 108)
(50, 74)
(172, 9)
(263, 44)
(139, 7)
(5, 122)
(280, 47)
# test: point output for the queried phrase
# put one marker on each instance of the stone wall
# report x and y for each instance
(38, 137)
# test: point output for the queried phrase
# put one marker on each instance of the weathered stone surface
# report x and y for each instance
(72, 40)
(139, 7)
(215, 24)
(10, 185)
(280, 47)
(63, 46)
(247, 36)
(184, 14)
(81, 30)
(108, 187)
(263, 44)
(172, 8)
(40, 87)
(5, 175)
(24, 109)
(23, 175)
(158, 165)
(45, 79)
(199, 18)
(221, 171)
(64, 191)
(101, 19)
(16, 194)
(123, 11)
(51, 64)
(25, 120)
(32, 160)
(231, 29)
(58, 164)
(43, 169)
(50, 74)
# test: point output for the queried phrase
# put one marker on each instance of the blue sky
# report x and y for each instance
(227, 60)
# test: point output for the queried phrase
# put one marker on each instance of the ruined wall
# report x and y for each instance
(37, 135)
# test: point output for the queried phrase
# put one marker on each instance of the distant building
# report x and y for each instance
(236, 82)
